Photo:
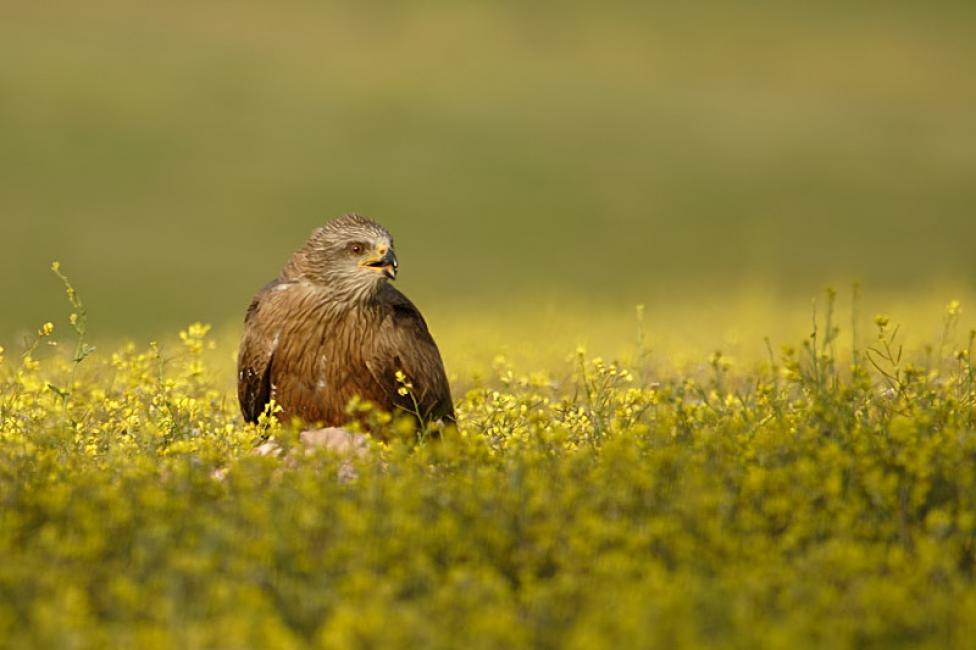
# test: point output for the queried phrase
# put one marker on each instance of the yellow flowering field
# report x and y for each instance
(817, 498)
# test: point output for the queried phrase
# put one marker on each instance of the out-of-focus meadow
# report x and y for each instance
(676, 481)
(543, 168)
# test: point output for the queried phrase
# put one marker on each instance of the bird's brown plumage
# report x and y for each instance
(331, 328)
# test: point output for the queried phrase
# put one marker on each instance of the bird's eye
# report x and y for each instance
(357, 249)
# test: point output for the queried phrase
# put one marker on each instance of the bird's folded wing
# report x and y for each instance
(256, 355)
(405, 344)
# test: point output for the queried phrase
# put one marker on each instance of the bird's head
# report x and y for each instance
(351, 255)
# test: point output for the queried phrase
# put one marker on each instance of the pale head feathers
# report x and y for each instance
(333, 257)
(351, 226)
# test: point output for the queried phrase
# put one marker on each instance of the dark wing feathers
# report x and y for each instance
(255, 359)
(405, 344)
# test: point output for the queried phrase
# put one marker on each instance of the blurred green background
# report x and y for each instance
(171, 155)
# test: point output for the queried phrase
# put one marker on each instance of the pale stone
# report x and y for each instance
(336, 439)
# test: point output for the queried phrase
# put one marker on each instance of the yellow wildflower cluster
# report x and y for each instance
(802, 503)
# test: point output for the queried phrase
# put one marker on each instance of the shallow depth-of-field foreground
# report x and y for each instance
(814, 499)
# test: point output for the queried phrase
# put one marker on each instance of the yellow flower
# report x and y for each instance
(46, 329)
(56, 266)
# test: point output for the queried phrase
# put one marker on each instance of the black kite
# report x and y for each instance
(331, 328)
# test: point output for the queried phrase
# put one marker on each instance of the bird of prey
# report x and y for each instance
(331, 327)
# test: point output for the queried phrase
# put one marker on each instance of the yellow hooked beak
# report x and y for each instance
(385, 262)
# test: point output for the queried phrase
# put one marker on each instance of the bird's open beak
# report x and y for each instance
(387, 265)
